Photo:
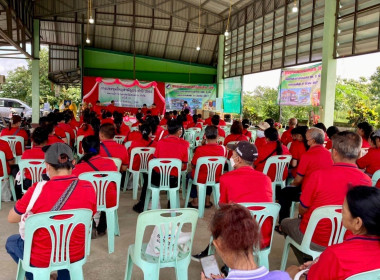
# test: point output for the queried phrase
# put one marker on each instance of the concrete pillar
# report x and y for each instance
(36, 72)
(328, 81)
(220, 69)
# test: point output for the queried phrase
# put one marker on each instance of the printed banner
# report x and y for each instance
(301, 86)
(232, 95)
(200, 96)
(132, 97)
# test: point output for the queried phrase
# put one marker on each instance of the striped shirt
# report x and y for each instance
(260, 273)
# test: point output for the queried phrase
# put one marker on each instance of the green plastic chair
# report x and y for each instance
(68, 138)
(170, 254)
(281, 162)
(119, 139)
(375, 177)
(35, 167)
(369, 275)
(101, 180)
(190, 153)
(6, 176)
(333, 213)
(117, 162)
(127, 144)
(12, 141)
(212, 164)
(145, 154)
(220, 140)
(269, 210)
(79, 142)
(190, 137)
(165, 166)
(60, 234)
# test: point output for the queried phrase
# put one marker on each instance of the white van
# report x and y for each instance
(10, 105)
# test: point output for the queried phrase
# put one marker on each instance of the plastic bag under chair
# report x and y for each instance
(153, 247)
(6, 194)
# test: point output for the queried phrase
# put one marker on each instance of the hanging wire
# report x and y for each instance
(199, 26)
(228, 20)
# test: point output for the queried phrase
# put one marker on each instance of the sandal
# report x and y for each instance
(277, 228)
(209, 206)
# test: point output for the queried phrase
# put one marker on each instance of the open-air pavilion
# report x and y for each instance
(183, 41)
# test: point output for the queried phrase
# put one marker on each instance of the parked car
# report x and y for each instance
(9, 106)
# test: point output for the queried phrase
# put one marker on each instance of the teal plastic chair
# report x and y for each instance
(169, 223)
(6, 176)
(190, 153)
(127, 144)
(334, 214)
(101, 180)
(68, 138)
(12, 141)
(268, 210)
(212, 164)
(165, 166)
(35, 168)
(190, 137)
(119, 138)
(60, 234)
(145, 154)
(281, 162)
(375, 177)
(220, 140)
(117, 162)
(80, 153)
(369, 275)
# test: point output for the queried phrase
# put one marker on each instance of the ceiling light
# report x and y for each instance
(91, 20)
(198, 48)
(226, 33)
(295, 8)
(339, 31)
(88, 41)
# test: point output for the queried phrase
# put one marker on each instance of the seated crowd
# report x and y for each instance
(327, 167)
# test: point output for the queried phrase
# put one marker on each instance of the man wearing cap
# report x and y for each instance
(59, 162)
(260, 137)
(286, 137)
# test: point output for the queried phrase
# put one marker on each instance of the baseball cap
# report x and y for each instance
(54, 154)
(245, 150)
(376, 133)
(263, 125)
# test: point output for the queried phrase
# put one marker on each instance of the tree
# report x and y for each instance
(19, 84)
(375, 83)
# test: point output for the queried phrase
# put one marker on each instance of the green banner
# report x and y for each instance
(232, 95)
(300, 86)
(201, 96)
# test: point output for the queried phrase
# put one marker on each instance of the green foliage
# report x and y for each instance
(362, 113)
(375, 84)
(19, 84)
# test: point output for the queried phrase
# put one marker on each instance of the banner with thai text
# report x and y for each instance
(132, 97)
(198, 96)
(300, 86)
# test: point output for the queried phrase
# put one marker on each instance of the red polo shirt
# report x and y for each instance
(164, 121)
(141, 143)
(222, 122)
(33, 153)
(189, 118)
(328, 145)
(370, 162)
(208, 121)
(97, 109)
(102, 164)
(54, 139)
(247, 133)
(67, 128)
(355, 255)
(74, 123)
(207, 150)
(315, 158)
(59, 131)
(297, 149)
(111, 108)
(222, 133)
(260, 141)
(83, 196)
(266, 151)
(115, 149)
(365, 143)
(85, 133)
(328, 186)
(233, 137)
(107, 120)
(134, 136)
(247, 185)
(286, 137)
(159, 133)
(172, 147)
(155, 111)
(6, 149)
(192, 124)
(12, 132)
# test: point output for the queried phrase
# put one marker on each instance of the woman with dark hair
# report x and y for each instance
(121, 127)
(236, 135)
(360, 251)
(298, 147)
(165, 119)
(323, 127)
(85, 128)
(246, 124)
(270, 121)
(139, 118)
(107, 118)
(235, 237)
(195, 122)
(92, 161)
(365, 130)
(370, 161)
(14, 129)
(273, 147)
(331, 131)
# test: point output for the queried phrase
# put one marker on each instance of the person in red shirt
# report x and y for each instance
(235, 135)
(246, 124)
(63, 122)
(222, 122)
(58, 132)
(260, 137)
(189, 119)
(298, 147)
(144, 109)
(208, 120)
(86, 128)
(215, 120)
(72, 121)
(323, 127)
(157, 131)
(286, 137)
(165, 119)
(154, 110)
(109, 147)
(40, 139)
(272, 148)
(90, 162)
(111, 107)
(331, 131)
(14, 129)
(121, 128)
(360, 252)
(139, 118)
(9, 158)
(59, 161)
(195, 122)
(315, 158)
(211, 148)
(98, 108)
(107, 118)
(370, 161)
(172, 146)
(365, 130)
(327, 186)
